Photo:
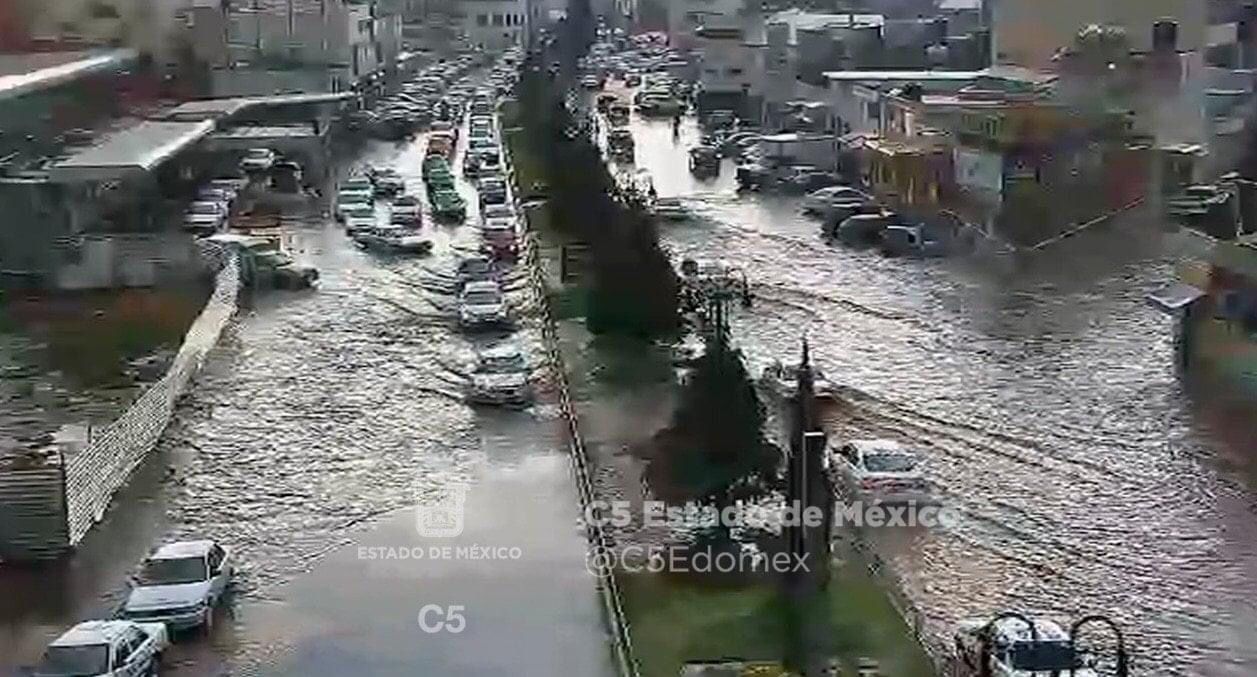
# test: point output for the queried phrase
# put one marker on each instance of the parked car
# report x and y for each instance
(258, 160)
(406, 210)
(357, 200)
(910, 240)
(473, 269)
(864, 229)
(882, 471)
(205, 218)
(388, 182)
(286, 176)
(500, 377)
(358, 217)
(818, 201)
(116, 648)
(492, 191)
(180, 584)
(498, 239)
(481, 304)
(392, 239)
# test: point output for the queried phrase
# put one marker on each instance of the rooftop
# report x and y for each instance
(25, 73)
(92, 632)
(207, 109)
(137, 149)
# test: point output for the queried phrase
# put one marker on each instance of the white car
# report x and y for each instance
(105, 649)
(818, 201)
(258, 160)
(500, 377)
(481, 304)
(347, 200)
(882, 471)
(497, 211)
(180, 584)
(205, 218)
(1013, 651)
(359, 218)
(406, 210)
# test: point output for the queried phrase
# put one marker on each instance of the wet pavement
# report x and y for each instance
(1043, 392)
(319, 424)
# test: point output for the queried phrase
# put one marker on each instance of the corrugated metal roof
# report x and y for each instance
(136, 149)
(25, 73)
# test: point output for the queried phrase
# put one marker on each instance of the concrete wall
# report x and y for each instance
(495, 24)
(1028, 32)
(139, 260)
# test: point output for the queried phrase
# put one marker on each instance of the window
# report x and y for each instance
(735, 71)
(482, 19)
(497, 20)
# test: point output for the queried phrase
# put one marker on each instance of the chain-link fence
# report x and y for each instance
(93, 475)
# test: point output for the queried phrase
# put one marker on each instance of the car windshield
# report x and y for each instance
(502, 364)
(259, 154)
(174, 571)
(1043, 656)
(204, 208)
(482, 298)
(75, 661)
(889, 462)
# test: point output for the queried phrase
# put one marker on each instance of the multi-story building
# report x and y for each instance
(1030, 32)
(273, 46)
(152, 27)
(495, 25)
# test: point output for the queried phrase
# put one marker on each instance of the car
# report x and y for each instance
(286, 176)
(359, 217)
(406, 210)
(282, 272)
(474, 269)
(232, 184)
(205, 218)
(632, 79)
(388, 182)
(498, 211)
(498, 239)
(1011, 649)
(483, 144)
(501, 376)
(258, 160)
(863, 229)
(492, 191)
(222, 196)
(882, 471)
(180, 583)
(114, 648)
(818, 201)
(481, 304)
(590, 82)
(355, 199)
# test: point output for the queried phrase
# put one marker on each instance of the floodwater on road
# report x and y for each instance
(1043, 393)
(319, 424)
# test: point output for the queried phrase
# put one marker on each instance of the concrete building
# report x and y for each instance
(152, 27)
(1029, 32)
(256, 47)
(685, 17)
(495, 25)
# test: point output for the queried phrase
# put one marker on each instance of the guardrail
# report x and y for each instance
(608, 588)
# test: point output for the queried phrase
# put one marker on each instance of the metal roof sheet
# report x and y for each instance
(136, 149)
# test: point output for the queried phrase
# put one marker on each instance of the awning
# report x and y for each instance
(1174, 298)
(212, 109)
(135, 150)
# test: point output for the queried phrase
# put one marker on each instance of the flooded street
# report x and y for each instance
(1044, 396)
(318, 425)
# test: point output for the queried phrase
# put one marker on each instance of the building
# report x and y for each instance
(685, 17)
(495, 25)
(258, 47)
(1030, 32)
(152, 27)
(731, 71)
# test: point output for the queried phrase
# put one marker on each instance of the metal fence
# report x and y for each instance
(93, 475)
(608, 587)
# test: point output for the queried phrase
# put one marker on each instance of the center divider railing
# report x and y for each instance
(599, 542)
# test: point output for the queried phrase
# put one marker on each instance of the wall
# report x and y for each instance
(505, 23)
(1028, 32)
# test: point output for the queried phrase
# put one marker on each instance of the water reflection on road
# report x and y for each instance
(317, 426)
(1044, 395)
